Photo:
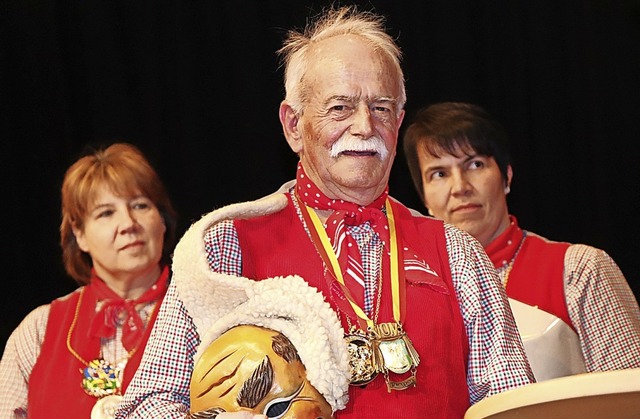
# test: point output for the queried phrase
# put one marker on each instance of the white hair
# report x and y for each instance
(335, 22)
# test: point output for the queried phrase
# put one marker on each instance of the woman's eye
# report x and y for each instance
(104, 214)
(476, 164)
(141, 203)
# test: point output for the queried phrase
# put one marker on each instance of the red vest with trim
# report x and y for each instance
(537, 276)
(277, 245)
(55, 383)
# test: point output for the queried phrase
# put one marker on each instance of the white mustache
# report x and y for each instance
(348, 142)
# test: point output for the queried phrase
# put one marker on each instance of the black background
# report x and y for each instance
(196, 85)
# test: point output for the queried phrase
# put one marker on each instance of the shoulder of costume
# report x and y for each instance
(195, 282)
(549, 242)
(71, 295)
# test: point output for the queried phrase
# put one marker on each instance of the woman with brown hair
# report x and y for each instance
(75, 356)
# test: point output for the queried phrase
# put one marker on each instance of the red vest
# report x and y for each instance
(537, 276)
(55, 383)
(277, 245)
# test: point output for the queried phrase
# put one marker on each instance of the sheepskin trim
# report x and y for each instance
(217, 302)
(289, 305)
(207, 295)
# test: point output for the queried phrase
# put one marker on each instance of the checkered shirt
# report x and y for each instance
(602, 309)
(497, 361)
(23, 349)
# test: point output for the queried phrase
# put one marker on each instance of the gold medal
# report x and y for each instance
(396, 354)
(361, 358)
(106, 407)
(385, 347)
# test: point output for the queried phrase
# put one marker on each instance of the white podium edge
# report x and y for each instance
(573, 386)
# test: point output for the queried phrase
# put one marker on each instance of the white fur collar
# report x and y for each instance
(217, 302)
(198, 287)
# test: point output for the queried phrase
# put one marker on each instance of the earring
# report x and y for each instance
(507, 189)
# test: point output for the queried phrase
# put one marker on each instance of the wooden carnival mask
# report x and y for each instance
(251, 368)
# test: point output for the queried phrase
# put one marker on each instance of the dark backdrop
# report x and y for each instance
(196, 85)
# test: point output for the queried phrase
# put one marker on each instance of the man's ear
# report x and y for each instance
(400, 119)
(289, 119)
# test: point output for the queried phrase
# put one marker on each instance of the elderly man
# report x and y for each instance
(426, 321)
(572, 304)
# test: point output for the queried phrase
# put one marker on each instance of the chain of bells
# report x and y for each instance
(383, 348)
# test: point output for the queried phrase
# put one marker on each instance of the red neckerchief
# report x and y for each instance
(349, 213)
(503, 248)
(345, 214)
(113, 307)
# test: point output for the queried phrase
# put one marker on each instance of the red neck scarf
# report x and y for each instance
(504, 247)
(344, 245)
(411, 266)
(115, 307)
(344, 213)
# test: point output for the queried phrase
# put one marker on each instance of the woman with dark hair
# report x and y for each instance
(573, 306)
(75, 356)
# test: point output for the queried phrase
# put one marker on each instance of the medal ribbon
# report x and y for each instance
(343, 215)
(319, 234)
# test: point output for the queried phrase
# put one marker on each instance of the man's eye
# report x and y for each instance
(339, 108)
(382, 109)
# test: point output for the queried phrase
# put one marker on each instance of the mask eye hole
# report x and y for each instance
(276, 408)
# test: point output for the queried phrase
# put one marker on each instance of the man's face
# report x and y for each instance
(350, 120)
(242, 370)
(466, 190)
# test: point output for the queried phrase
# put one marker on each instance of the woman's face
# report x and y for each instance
(123, 235)
(466, 190)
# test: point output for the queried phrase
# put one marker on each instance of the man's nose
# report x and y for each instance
(362, 125)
